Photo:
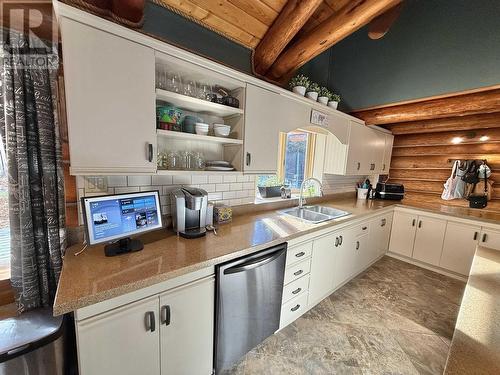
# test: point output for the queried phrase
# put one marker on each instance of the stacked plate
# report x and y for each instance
(201, 128)
(221, 130)
(219, 165)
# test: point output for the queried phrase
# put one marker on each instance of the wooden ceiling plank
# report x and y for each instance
(471, 122)
(191, 10)
(234, 15)
(458, 105)
(291, 19)
(350, 18)
(257, 9)
(277, 5)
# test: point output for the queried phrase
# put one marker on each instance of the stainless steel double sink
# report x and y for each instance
(315, 214)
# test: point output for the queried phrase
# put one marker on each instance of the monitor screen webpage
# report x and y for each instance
(117, 216)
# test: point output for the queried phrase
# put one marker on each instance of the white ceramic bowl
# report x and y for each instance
(201, 131)
(221, 132)
(201, 128)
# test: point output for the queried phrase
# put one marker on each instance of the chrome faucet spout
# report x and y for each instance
(302, 200)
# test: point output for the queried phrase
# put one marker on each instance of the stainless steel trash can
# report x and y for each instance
(32, 344)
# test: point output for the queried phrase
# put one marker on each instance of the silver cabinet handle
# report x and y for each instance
(384, 221)
(475, 235)
(357, 245)
(341, 240)
(301, 254)
(336, 241)
(420, 223)
(484, 237)
(413, 222)
(249, 158)
(150, 152)
(295, 308)
(165, 315)
(296, 291)
(150, 321)
(297, 273)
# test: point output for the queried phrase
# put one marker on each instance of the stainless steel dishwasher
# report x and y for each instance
(248, 303)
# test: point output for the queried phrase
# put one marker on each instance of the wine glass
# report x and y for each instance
(205, 91)
(174, 82)
(190, 88)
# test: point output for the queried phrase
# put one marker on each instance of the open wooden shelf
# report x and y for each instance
(170, 172)
(196, 105)
(197, 137)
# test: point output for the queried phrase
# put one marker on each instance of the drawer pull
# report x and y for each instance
(297, 273)
(301, 254)
(296, 291)
(364, 228)
(484, 237)
(475, 235)
(384, 221)
(295, 308)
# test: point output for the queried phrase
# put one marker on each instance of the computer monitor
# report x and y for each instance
(114, 218)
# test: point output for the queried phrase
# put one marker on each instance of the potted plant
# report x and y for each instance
(299, 84)
(334, 101)
(324, 95)
(271, 187)
(312, 91)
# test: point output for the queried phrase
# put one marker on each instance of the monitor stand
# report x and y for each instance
(125, 245)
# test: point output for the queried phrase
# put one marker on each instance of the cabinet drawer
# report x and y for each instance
(490, 238)
(297, 270)
(361, 230)
(295, 288)
(298, 253)
(293, 309)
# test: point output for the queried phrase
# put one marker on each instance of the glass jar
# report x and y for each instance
(162, 160)
(173, 160)
(183, 160)
(199, 161)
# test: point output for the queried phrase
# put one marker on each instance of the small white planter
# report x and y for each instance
(323, 100)
(312, 95)
(333, 105)
(301, 90)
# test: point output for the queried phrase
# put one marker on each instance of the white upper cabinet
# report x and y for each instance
(110, 100)
(266, 115)
(386, 162)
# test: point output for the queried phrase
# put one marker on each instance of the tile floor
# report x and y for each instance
(395, 318)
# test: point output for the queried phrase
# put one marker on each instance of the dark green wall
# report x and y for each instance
(179, 31)
(435, 47)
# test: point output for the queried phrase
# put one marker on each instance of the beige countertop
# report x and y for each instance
(91, 277)
(475, 347)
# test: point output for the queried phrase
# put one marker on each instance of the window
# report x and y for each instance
(4, 218)
(296, 159)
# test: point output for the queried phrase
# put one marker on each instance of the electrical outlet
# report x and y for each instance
(96, 185)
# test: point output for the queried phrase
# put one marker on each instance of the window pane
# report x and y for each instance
(295, 159)
(4, 220)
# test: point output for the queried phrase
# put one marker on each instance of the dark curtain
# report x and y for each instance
(30, 132)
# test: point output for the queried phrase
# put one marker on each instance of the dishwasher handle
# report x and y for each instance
(254, 263)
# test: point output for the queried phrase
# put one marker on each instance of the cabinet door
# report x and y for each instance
(359, 153)
(122, 341)
(403, 233)
(262, 127)
(490, 238)
(378, 148)
(380, 231)
(323, 267)
(459, 246)
(187, 326)
(346, 257)
(429, 240)
(386, 163)
(110, 99)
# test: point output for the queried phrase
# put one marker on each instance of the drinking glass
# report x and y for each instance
(183, 160)
(174, 82)
(160, 77)
(173, 160)
(205, 91)
(190, 88)
(199, 161)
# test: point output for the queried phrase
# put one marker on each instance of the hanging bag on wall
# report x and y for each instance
(451, 183)
(481, 194)
(471, 175)
(460, 185)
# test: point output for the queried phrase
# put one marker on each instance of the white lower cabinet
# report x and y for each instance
(380, 233)
(459, 246)
(323, 267)
(186, 330)
(404, 226)
(429, 240)
(123, 341)
(490, 238)
(171, 333)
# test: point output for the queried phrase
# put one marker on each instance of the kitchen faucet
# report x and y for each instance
(302, 200)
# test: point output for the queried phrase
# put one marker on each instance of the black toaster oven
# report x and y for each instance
(389, 191)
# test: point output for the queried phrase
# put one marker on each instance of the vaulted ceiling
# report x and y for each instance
(245, 21)
(285, 34)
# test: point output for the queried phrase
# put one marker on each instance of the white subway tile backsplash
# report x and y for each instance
(248, 185)
(241, 178)
(117, 181)
(236, 186)
(150, 188)
(229, 194)
(235, 202)
(182, 180)
(124, 190)
(214, 196)
(138, 180)
(200, 179)
(209, 188)
(221, 187)
(168, 189)
(242, 194)
(214, 179)
(229, 178)
(162, 180)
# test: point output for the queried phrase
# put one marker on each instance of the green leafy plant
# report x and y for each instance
(324, 92)
(299, 80)
(313, 87)
(335, 98)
